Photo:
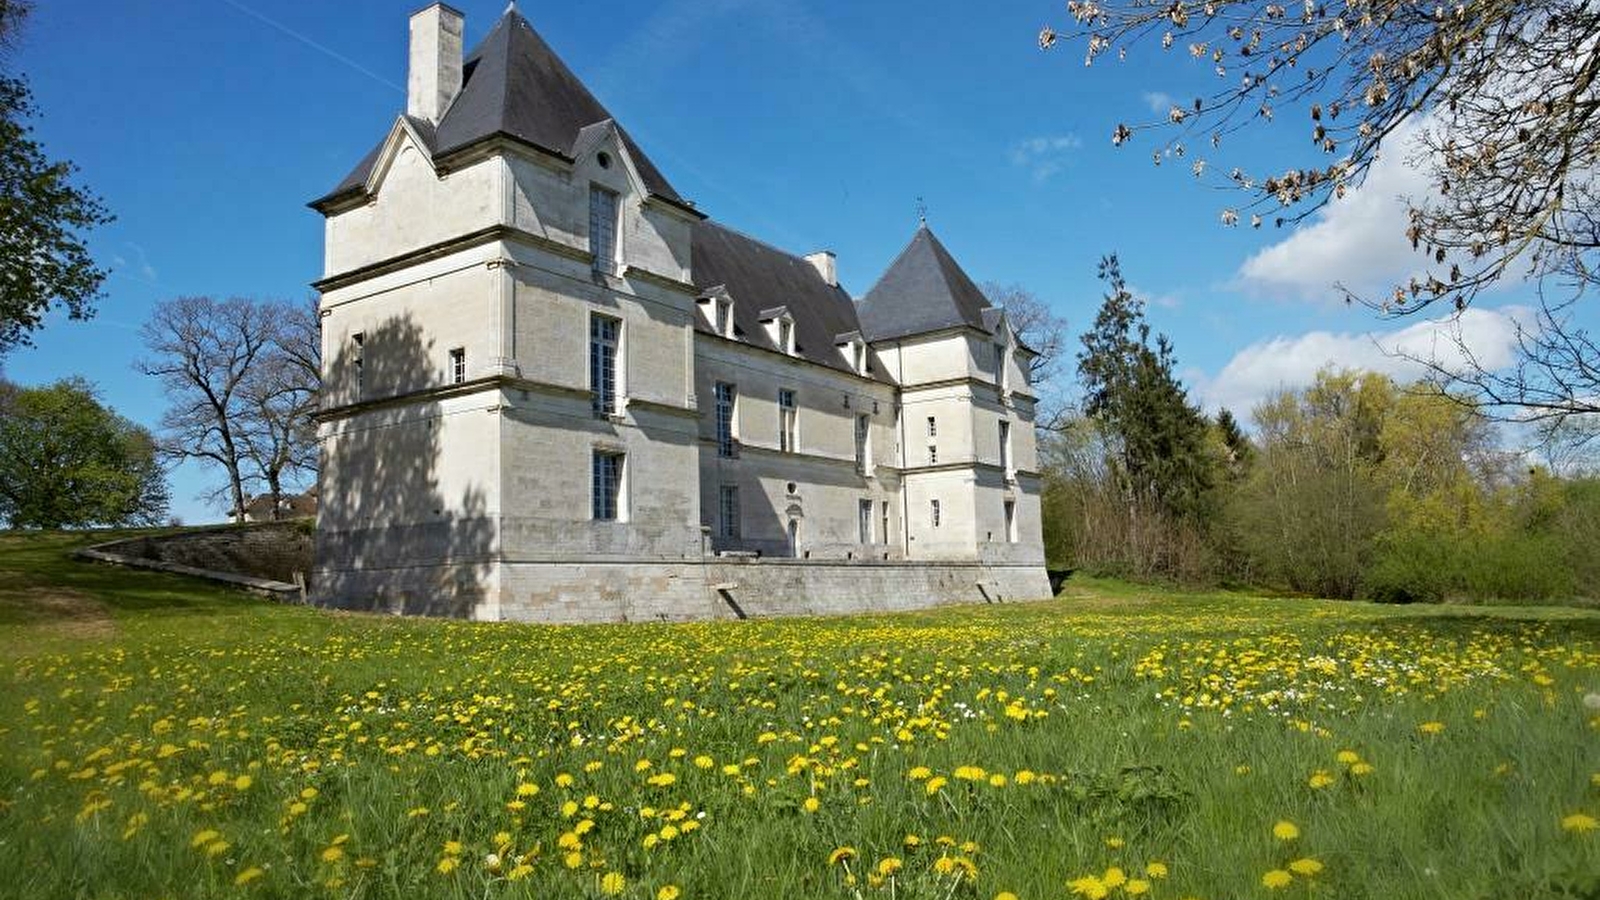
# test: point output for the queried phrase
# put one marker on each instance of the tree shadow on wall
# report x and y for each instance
(390, 537)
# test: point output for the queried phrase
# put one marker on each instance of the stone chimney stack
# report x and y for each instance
(435, 75)
(826, 264)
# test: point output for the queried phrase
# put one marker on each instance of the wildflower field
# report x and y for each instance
(162, 738)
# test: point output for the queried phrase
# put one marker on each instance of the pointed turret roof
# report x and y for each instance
(514, 85)
(924, 290)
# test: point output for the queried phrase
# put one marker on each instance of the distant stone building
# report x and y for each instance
(296, 506)
(557, 391)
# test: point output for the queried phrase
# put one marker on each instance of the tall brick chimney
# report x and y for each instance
(434, 78)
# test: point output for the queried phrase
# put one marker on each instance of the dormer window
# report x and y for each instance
(725, 318)
(780, 328)
(786, 335)
(603, 210)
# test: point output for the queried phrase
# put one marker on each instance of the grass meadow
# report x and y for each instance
(163, 738)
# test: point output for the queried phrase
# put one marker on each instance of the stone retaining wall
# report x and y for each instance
(273, 551)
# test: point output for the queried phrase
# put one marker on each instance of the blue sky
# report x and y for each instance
(206, 126)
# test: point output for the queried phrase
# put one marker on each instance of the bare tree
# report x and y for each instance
(277, 434)
(1045, 333)
(1502, 96)
(204, 351)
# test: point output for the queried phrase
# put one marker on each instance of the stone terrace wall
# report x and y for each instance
(270, 550)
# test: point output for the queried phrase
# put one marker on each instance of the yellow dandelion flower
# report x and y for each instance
(1348, 757)
(204, 837)
(612, 884)
(1156, 870)
(704, 762)
(1285, 830)
(668, 892)
(1362, 769)
(811, 804)
(1277, 878)
(247, 876)
(452, 848)
(1090, 887)
(889, 865)
(1305, 867)
(1115, 843)
(572, 860)
(242, 783)
(527, 789)
(1579, 822)
(447, 865)
(332, 854)
(1431, 727)
(935, 784)
(217, 848)
(918, 773)
(1005, 895)
(1319, 780)
(1114, 877)
(1136, 886)
(841, 854)
(563, 780)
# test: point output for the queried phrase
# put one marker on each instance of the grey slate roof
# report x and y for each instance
(759, 278)
(513, 84)
(924, 290)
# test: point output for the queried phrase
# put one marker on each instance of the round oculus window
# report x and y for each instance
(604, 159)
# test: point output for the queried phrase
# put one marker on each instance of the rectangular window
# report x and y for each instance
(785, 336)
(726, 395)
(863, 423)
(933, 454)
(1000, 365)
(933, 427)
(861, 358)
(603, 228)
(884, 531)
(787, 416)
(724, 318)
(1011, 521)
(1005, 446)
(359, 341)
(864, 521)
(728, 511)
(458, 365)
(933, 512)
(607, 491)
(604, 334)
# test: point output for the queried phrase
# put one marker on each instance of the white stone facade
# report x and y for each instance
(461, 439)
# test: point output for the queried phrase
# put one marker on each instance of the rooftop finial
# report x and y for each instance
(922, 212)
(511, 6)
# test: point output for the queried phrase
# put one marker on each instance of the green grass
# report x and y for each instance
(162, 737)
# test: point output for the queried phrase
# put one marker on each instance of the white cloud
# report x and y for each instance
(1288, 362)
(1359, 241)
(1045, 156)
(1159, 101)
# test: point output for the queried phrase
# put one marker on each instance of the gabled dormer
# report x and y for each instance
(854, 349)
(716, 311)
(779, 323)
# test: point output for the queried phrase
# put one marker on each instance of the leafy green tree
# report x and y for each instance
(43, 260)
(1129, 388)
(66, 461)
(1314, 504)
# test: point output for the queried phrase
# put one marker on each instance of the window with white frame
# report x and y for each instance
(787, 419)
(933, 513)
(1011, 521)
(603, 209)
(863, 426)
(606, 491)
(883, 533)
(1000, 365)
(458, 365)
(1005, 445)
(726, 395)
(605, 334)
(860, 357)
(728, 511)
(725, 318)
(786, 335)
(864, 521)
